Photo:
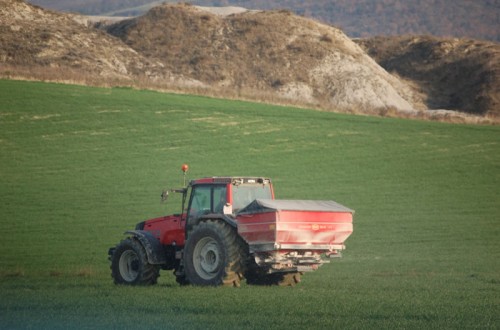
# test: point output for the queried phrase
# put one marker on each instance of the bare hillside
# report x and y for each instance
(476, 19)
(267, 51)
(459, 74)
(31, 37)
(260, 55)
(41, 44)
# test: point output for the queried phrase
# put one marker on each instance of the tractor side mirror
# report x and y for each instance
(164, 195)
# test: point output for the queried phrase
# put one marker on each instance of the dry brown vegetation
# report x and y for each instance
(274, 57)
(476, 19)
(32, 37)
(261, 50)
(453, 73)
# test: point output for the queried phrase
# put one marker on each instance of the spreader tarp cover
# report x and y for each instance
(272, 205)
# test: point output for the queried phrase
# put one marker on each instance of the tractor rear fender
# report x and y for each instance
(152, 246)
(224, 218)
(212, 216)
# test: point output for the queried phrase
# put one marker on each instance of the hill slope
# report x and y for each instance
(358, 18)
(453, 73)
(231, 51)
(32, 37)
(254, 53)
(39, 43)
(274, 51)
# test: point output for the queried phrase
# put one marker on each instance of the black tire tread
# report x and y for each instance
(148, 274)
(235, 251)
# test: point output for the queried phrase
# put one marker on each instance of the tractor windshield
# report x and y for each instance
(244, 194)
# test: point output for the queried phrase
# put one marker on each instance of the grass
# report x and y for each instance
(80, 165)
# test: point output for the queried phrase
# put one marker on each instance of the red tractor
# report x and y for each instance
(233, 228)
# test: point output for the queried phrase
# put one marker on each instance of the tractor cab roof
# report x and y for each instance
(236, 180)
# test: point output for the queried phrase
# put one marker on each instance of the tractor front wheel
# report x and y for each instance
(213, 255)
(129, 264)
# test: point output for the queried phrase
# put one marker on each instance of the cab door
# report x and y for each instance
(206, 200)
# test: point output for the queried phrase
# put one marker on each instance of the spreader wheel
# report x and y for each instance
(130, 266)
(213, 255)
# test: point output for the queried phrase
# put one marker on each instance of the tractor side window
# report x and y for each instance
(207, 199)
(219, 198)
(200, 201)
(246, 193)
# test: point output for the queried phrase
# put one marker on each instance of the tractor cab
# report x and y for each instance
(224, 196)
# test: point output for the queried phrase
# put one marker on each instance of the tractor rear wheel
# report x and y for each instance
(214, 255)
(129, 264)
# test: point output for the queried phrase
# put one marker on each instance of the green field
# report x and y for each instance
(80, 165)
